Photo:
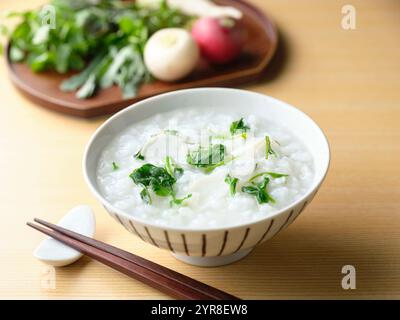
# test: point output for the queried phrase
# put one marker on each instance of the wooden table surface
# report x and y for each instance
(347, 80)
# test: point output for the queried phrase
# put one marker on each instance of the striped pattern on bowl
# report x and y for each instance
(211, 243)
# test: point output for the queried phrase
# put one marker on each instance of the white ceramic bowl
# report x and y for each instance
(211, 246)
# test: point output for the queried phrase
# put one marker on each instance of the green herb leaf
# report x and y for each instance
(145, 196)
(271, 174)
(88, 30)
(88, 88)
(118, 60)
(178, 172)
(172, 168)
(218, 164)
(168, 166)
(239, 127)
(39, 62)
(268, 149)
(156, 178)
(115, 166)
(77, 81)
(16, 54)
(138, 155)
(41, 35)
(171, 132)
(232, 181)
(179, 201)
(259, 191)
(62, 58)
(159, 180)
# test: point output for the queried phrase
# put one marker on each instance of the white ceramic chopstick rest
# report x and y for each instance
(79, 219)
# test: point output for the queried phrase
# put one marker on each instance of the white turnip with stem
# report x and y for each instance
(171, 54)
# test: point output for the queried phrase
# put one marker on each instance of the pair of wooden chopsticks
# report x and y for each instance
(166, 280)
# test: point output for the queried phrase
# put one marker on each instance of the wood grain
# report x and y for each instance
(166, 280)
(348, 81)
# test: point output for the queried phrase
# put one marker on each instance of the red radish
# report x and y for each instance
(219, 43)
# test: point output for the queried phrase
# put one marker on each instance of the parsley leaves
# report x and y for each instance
(179, 201)
(155, 178)
(145, 195)
(138, 155)
(239, 127)
(274, 175)
(232, 181)
(268, 149)
(172, 168)
(112, 34)
(115, 166)
(259, 190)
(158, 180)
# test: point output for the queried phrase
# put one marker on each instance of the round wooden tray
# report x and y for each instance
(262, 40)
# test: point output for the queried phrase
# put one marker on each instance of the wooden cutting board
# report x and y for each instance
(261, 43)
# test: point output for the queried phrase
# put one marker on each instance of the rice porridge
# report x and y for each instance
(199, 168)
